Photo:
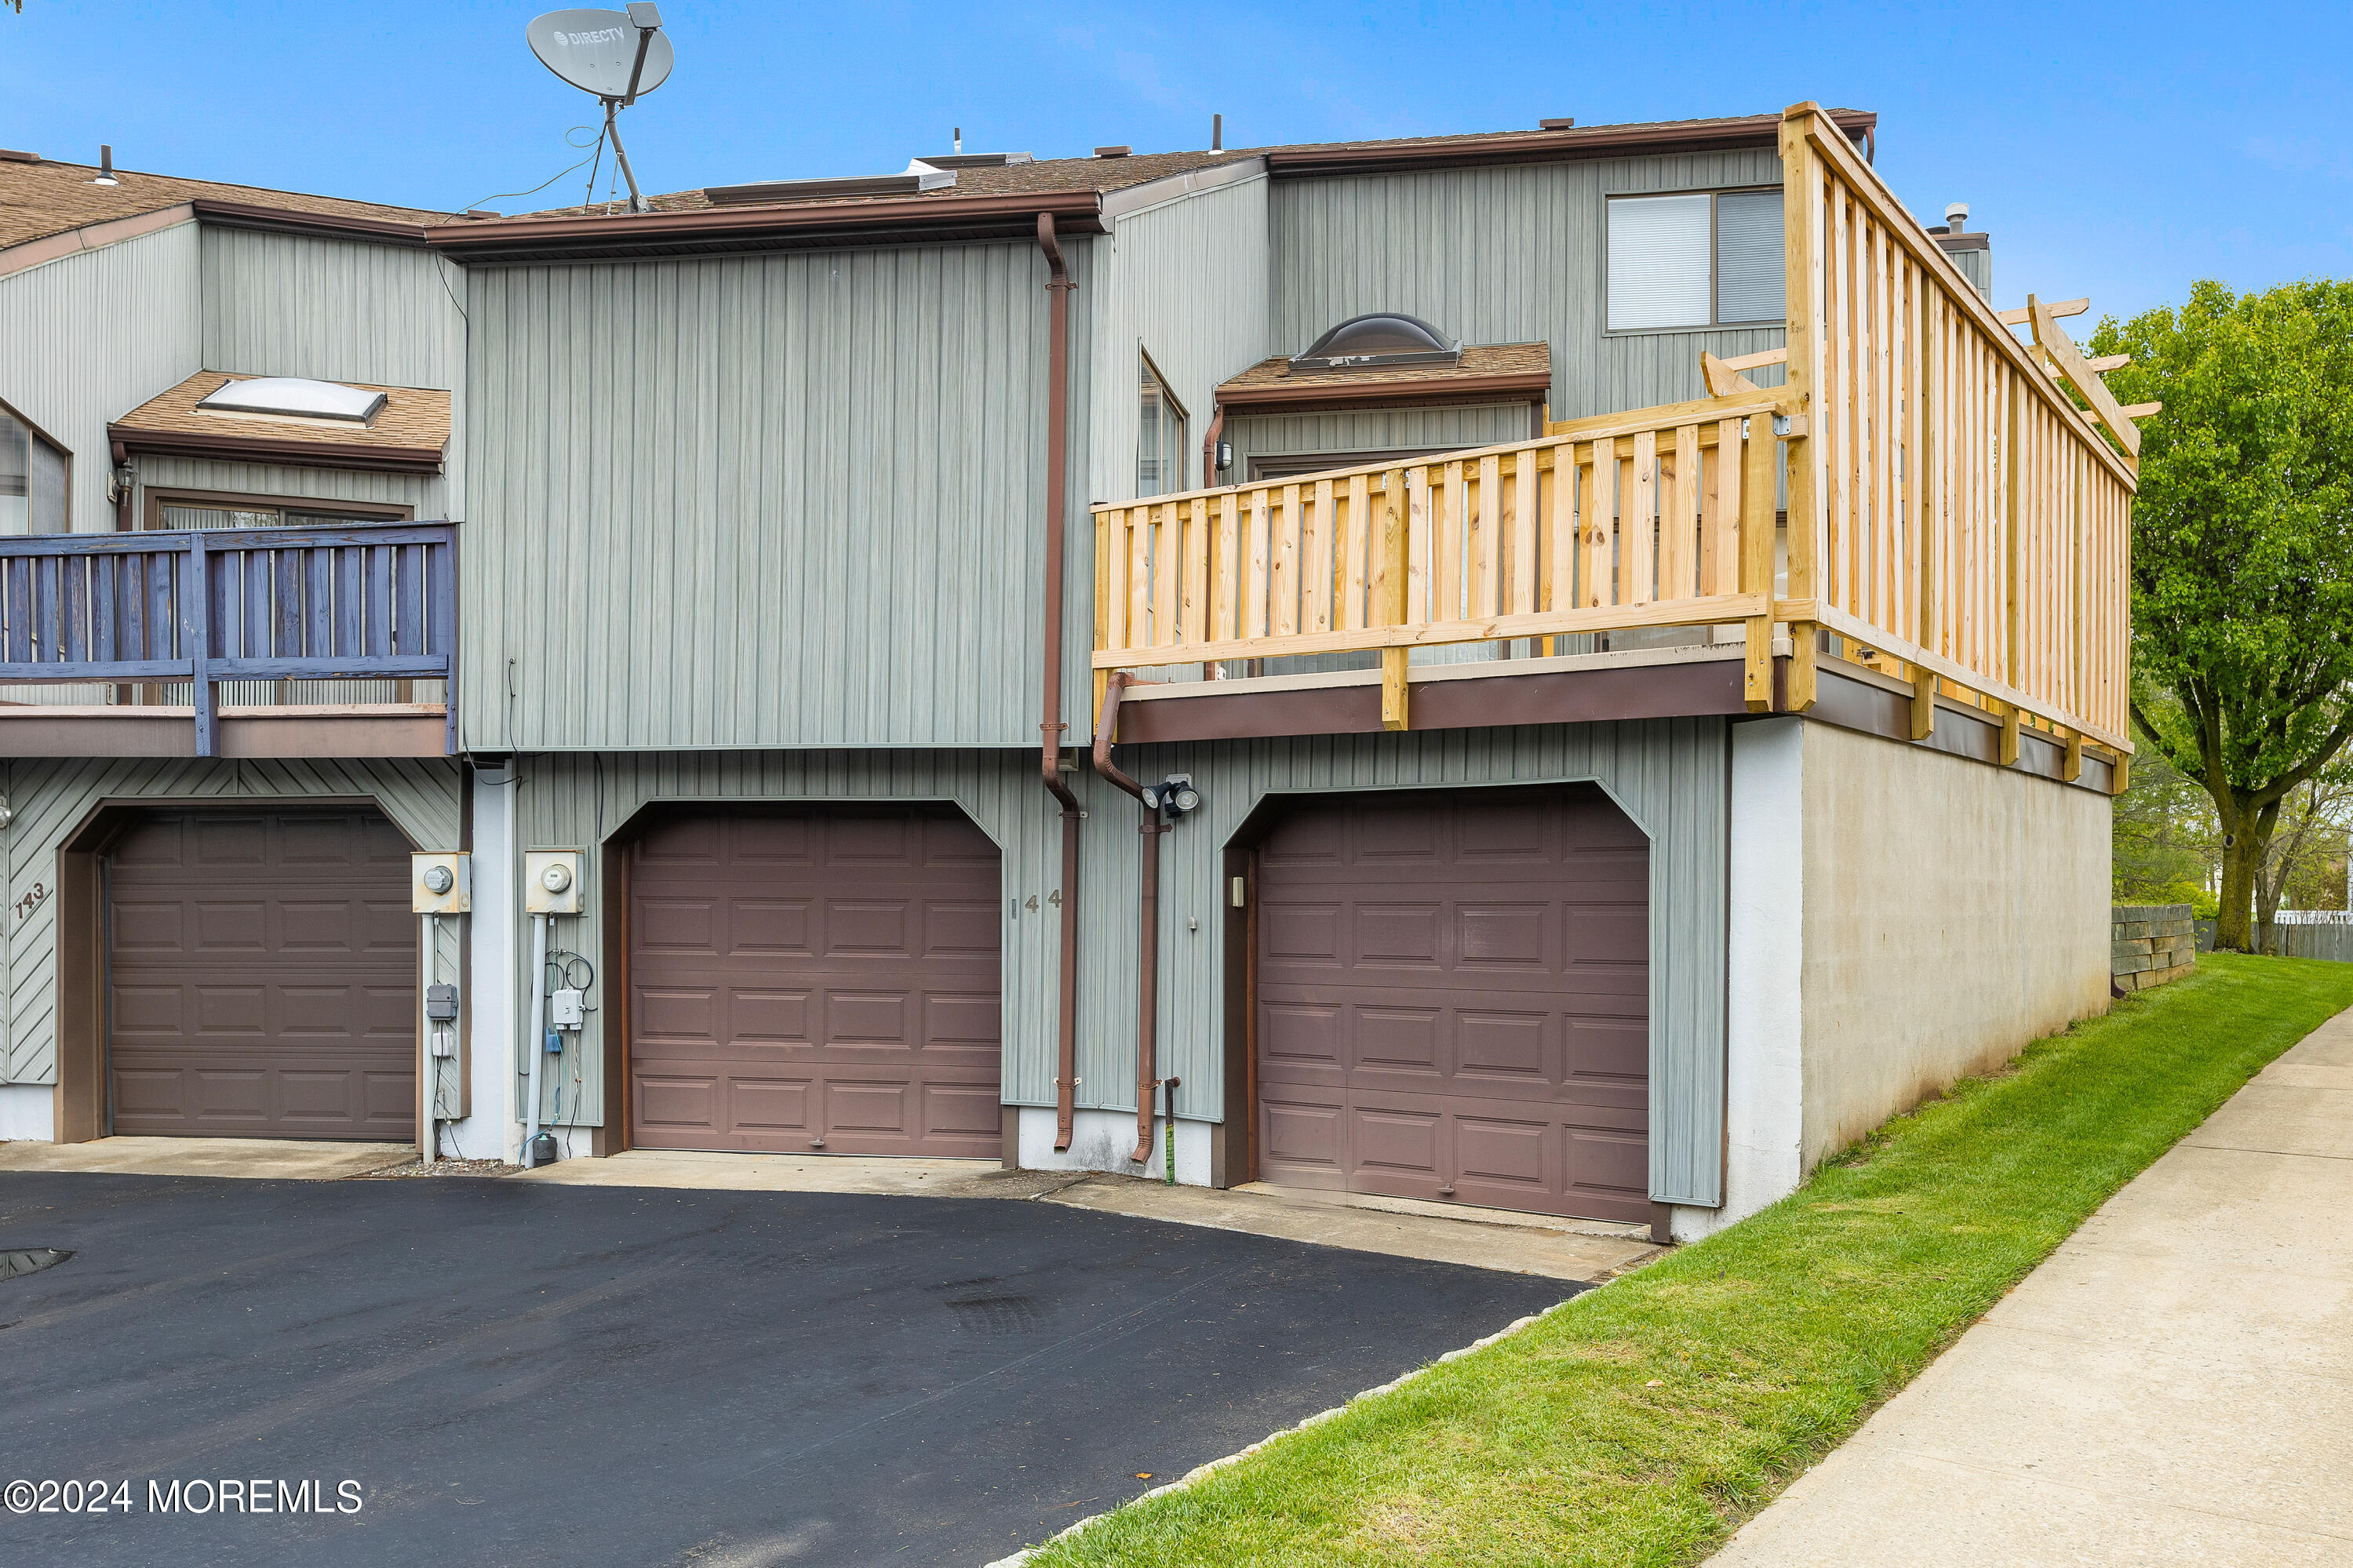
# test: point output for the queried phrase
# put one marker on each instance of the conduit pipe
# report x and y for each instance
(1147, 913)
(1050, 725)
(537, 1045)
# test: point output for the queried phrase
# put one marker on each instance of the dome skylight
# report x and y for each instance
(1385, 338)
(293, 396)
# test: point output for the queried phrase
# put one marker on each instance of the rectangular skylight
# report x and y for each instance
(291, 396)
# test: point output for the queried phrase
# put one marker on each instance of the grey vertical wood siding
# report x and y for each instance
(283, 304)
(780, 499)
(1669, 775)
(1494, 256)
(89, 337)
(51, 798)
(1186, 281)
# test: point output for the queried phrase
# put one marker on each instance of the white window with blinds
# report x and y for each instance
(1696, 260)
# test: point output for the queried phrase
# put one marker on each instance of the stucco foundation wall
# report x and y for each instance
(1951, 913)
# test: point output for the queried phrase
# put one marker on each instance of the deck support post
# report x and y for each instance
(1758, 478)
(1801, 208)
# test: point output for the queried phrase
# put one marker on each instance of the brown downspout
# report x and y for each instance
(1050, 726)
(1147, 913)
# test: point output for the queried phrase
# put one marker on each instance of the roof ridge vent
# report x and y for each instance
(918, 177)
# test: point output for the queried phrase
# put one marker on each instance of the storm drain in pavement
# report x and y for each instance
(29, 1260)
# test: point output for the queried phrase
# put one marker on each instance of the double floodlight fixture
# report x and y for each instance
(1173, 796)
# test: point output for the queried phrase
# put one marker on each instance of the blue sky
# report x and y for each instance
(2118, 150)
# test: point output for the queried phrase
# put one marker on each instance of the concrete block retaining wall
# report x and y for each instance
(2150, 944)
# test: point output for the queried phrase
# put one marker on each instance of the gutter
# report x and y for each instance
(745, 229)
(1549, 147)
(261, 449)
(285, 220)
(1049, 724)
(1519, 386)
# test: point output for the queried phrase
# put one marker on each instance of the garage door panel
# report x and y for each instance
(1517, 1153)
(951, 1020)
(681, 1102)
(1453, 990)
(1396, 1141)
(1394, 935)
(226, 928)
(765, 928)
(869, 927)
(771, 1105)
(228, 843)
(768, 1018)
(1302, 934)
(1295, 1035)
(866, 1105)
(1610, 935)
(773, 843)
(1512, 1048)
(859, 945)
(263, 976)
(1303, 1134)
(866, 1018)
(1505, 938)
(1394, 1039)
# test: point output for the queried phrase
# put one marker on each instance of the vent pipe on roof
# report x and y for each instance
(1956, 217)
(1216, 134)
(959, 139)
(105, 166)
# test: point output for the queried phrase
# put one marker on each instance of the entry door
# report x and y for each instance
(261, 976)
(815, 979)
(1452, 1000)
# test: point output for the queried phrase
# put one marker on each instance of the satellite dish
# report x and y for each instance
(596, 51)
(617, 55)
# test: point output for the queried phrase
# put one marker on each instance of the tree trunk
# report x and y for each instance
(2250, 836)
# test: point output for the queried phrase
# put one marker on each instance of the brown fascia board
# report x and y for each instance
(328, 226)
(1554, 147)
(259, 449)
(714, 229)
(1520, 386)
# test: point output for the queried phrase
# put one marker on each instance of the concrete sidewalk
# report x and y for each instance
(2173, 1385)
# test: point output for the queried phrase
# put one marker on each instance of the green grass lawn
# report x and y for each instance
(1641, 1423)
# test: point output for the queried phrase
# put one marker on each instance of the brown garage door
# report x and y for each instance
(262, 975)
(815, 978)
(1453, 998)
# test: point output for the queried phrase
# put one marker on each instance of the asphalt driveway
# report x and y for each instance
(536, 1375)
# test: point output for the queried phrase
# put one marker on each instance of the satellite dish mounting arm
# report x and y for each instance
(638, 202)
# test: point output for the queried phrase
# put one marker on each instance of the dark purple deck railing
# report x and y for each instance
(358, 601)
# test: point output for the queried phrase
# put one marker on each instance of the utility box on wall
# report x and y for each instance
(550, 881)
(440, 882)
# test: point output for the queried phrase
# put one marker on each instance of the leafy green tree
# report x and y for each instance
(2167, 844)
(2243, 551)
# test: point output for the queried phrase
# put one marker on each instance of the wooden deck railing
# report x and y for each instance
(1968, 517)
(1659, 517)
(1953, 510)
(363, 601)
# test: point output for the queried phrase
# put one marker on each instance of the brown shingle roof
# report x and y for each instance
(38, 200)
(408, 434)
(1103, 175)
(1491, 372)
